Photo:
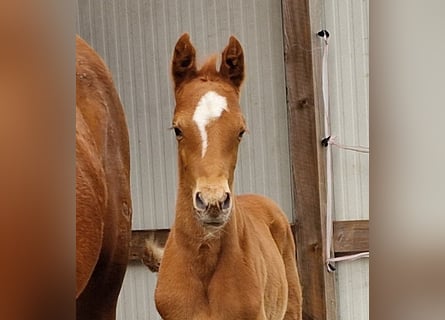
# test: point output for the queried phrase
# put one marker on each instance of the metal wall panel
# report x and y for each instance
(348, 65)
(136, 39)
(136, 300)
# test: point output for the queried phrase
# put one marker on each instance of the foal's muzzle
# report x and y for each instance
(213, 205)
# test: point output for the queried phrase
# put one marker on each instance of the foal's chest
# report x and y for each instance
(226, 295)
(231, 296)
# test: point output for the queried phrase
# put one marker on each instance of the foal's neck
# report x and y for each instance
(203, 247)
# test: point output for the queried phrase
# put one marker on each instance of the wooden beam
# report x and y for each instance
(308, 179)
(351, 237)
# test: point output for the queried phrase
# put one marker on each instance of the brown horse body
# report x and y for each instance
(227, 257)
(103, 201)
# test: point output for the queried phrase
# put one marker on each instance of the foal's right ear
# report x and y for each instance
(183, 64)
(232, 64)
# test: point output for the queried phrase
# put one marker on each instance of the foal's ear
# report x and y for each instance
(232, 64)
(183, 64)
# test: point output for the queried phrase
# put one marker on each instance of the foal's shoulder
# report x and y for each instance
(264, 211)
(261, 206)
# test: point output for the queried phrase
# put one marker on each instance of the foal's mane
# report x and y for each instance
(209, 72)
(208, 69)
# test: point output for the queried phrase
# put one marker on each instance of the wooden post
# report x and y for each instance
(308, 178)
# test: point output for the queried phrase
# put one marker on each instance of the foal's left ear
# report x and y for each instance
(232, 64)
(183, 63)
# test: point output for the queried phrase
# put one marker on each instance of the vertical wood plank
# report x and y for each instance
(308, 179)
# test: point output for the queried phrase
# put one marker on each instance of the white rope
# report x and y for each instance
(327, 130)
(350, 257)
(360, 149)
(328, 142)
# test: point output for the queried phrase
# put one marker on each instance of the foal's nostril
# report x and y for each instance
(199, 201)
(225, 204)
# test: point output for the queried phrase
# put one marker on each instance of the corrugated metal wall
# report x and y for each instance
(347, 22)
(136, 39)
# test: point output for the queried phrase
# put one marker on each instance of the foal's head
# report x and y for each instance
(209, 125)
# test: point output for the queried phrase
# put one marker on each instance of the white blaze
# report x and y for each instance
(210, 107)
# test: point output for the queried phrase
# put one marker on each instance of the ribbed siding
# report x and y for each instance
(136, 39)
(347, 23)
(136, 300)
(349, 77)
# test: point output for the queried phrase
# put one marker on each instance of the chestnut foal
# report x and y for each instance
(227, 257)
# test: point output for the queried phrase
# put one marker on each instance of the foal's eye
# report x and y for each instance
(241, 134)
(178, 133)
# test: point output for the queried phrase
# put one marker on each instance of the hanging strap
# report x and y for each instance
(328, 142)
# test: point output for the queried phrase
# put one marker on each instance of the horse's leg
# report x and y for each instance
(99, 299)
(89, 229)
(90, 194)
